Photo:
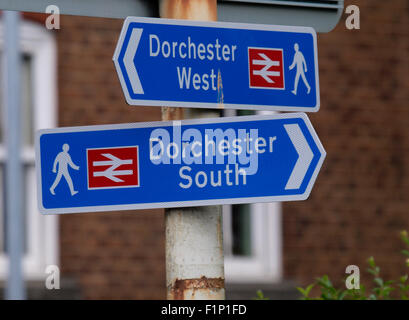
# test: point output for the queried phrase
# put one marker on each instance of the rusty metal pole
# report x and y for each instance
(194, 239)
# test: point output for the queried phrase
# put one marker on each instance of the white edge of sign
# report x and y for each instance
(211, 24)
(175, 204)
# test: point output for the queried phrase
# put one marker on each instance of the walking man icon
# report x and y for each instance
(299, 61)
(63, 159)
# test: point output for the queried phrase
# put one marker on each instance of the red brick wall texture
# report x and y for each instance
(361, 198)
(113, 255)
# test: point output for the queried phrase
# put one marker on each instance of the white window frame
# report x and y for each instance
(265, 263)
(42, 231)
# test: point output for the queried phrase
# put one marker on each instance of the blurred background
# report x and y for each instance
(357, 208)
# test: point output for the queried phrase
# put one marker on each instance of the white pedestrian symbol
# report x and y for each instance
(299, 60)
(63, 159)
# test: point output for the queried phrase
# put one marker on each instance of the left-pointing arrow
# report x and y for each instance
(129, 63)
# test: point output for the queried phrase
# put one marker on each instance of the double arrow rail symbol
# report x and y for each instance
(267, 63)
(111, 172)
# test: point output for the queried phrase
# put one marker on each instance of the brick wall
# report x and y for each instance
(112, 255)
(361, 199)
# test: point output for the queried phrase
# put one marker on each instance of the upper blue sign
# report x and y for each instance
(179, 63)
(175, 164)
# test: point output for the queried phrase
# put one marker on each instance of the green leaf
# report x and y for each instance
(404, 236)
(378, 281)
(309, 288)
(405, 252)
(371, 271)
(342, 295)
(386, 292)
(301, 290)
(260, 295)
(371, 262)
(325, 282)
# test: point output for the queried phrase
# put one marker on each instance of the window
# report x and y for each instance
(252, 238)
(38, 110)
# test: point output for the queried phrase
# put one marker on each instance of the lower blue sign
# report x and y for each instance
(175, 164)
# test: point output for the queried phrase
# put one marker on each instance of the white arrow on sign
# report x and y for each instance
(267, 63)
(128, 60)
(305, 156)
(114, 163)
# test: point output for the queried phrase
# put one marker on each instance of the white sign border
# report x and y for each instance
(175, 204)
(216, 105)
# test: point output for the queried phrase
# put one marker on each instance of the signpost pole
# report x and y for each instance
(194, 239)
(15, 285)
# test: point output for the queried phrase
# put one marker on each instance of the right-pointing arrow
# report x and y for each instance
(305, 156)
(129, 63)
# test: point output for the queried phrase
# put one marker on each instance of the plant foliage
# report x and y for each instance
(381, 289)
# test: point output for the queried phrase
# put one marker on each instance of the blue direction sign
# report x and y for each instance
(181, 63)
(176, 164)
